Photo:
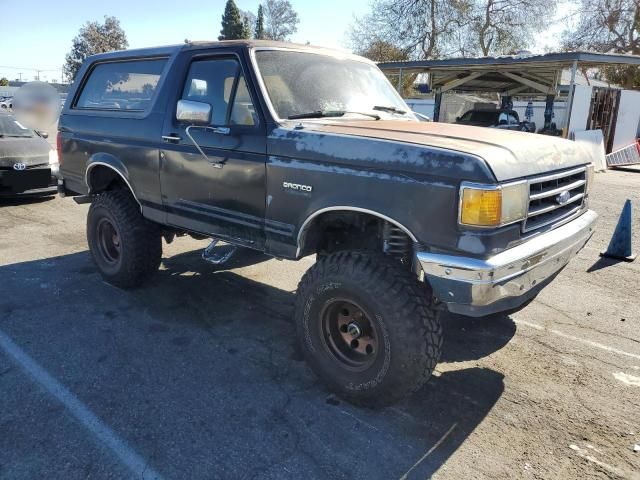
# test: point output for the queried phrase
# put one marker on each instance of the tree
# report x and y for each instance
(422, 28)
(380, 51)
(147, 90)
(498, 27)
(94, 38)
(246, 28)
(437, 28)
(4, 82)
(233, 27)
(611, 26)
(281, 20)
(249, 20)
(259, 32)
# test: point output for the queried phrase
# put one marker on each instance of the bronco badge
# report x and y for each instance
(297, 187)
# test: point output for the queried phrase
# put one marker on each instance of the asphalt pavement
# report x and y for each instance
(197, 374)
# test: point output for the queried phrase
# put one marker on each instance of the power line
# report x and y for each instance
(31, 68)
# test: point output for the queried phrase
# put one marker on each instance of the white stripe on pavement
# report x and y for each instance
(578, 339)
(88, 419)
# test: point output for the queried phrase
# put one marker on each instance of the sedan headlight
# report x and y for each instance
(493, 205)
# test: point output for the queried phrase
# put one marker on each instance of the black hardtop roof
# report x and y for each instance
(196, 45)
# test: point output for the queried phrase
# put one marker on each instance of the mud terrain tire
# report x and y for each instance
(376, 301)
(126, 247)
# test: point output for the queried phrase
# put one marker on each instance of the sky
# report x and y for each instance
(38, 34)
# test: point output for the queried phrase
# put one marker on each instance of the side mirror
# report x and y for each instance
(42, 134)
(195, 113)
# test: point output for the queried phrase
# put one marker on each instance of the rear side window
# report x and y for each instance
(125, 86)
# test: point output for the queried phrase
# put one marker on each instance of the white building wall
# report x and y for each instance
(580, 109)
(8, 91)
(628, 122)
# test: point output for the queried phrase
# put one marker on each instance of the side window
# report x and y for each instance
(243, 112)
(127, 85)
(220, 83)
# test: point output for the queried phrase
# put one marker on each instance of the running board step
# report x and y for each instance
(218, 254)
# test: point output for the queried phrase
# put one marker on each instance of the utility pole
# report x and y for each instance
(20, 76)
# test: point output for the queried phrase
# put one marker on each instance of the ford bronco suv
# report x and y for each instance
(295, 150)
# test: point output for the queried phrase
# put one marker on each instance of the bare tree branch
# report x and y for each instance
(611, 26)
(433, 28)
(281, 20)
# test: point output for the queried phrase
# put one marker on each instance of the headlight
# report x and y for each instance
(53, 157)
(493, 205)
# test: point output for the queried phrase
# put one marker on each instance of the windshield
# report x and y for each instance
(10, 127)
(298, 83)
(480, 116)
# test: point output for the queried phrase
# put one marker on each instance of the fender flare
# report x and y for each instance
(113, 163)
(308, 221)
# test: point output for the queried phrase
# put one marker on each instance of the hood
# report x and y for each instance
(30, 151)
(508, 154)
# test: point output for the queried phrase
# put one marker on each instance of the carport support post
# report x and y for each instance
(399, 88)
(436, 106)
(567, 114)
(548, 112)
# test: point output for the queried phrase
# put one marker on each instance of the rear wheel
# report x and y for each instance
(126, 247)
(367, 327)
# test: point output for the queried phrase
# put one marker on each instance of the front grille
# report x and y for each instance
(28, 167)
(545, 207)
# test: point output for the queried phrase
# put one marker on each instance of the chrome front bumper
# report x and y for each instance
(478, 287)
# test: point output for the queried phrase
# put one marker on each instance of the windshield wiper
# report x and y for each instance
(329, 114)
(382, 108)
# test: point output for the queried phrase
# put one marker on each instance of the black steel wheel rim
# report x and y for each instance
(349, 334)
(109, 244)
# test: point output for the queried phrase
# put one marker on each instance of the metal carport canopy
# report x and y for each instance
(512, 75)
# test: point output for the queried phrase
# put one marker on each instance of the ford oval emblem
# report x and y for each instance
(563, 198)
(19, 166)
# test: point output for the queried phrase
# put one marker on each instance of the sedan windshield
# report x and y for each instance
(308, 85)
(10, 127)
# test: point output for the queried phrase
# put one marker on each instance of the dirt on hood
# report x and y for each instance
(509, 154)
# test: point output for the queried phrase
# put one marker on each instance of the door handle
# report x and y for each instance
(221, 130)
(171, 138)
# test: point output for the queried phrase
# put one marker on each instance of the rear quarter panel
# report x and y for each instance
(130, 142)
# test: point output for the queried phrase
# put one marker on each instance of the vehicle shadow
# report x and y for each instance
(16, 200)
(203, 364)
(192, 261)
(467, 338)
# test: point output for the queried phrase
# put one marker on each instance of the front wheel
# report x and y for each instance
(367, 327)
(126, 247)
